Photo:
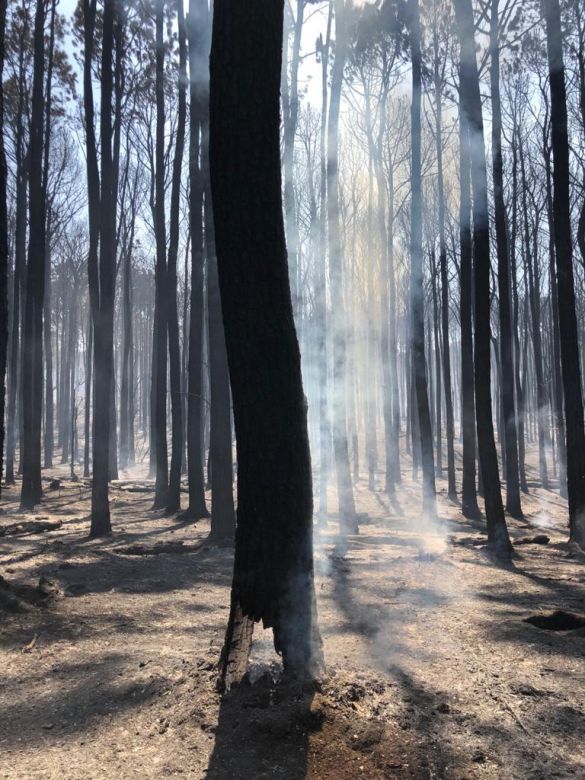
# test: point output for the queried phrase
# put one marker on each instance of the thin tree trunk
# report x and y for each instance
(101, 267)
(320, 283)
(535, 316)
(174, 494)
(510, 436)
(88, 387)
(49, 409)
(347, 515)
(198, 26)
(223, 517)
(416, 273)
(159, 403)
(498, 539)
(571, 366)
(32, 369)
(446, 351)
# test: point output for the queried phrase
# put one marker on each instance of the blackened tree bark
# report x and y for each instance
(174, 492)
(513, 503)
(102, 265)
(198, 34)
(498, 538)
(290, 104)
(88, 386)
(469, 505)
(273, 570)
(416, 272)
(519, 387)
(347, 515)
(49, 408)
(446, 351)
(434, 331)
(557, 384)
(3, 246)
(14, 374)
(320, 282)
(223, 516)
(18, 282)
(533, 292)
(127, 452)
(160, 355)
(571, 367)
(32, 348)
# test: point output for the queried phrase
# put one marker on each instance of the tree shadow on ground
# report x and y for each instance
(75, 698)
(263, 731)
(101, 573)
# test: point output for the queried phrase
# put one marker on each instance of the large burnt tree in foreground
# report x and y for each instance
(273, 569)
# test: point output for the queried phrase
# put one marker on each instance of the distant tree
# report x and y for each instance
(416, 274)
(159, 349)
(513, 503)
(174, 492)
(273, 569)
(198, 36)
(469, 505)
(347, 516)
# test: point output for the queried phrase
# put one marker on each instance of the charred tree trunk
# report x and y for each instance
(557, 394)
(21, 162)
(571, 366)
(102, 265)
(174, 494)
(88, 387)
(32, 348)
(160, 362)
(416, 273)
(513, 504)
(223, 517)
(347, 515)
(49, 409)
(498, 539)
(446, 351)
(533, 293)
(198, 27)
(273, 570)
(320, 284)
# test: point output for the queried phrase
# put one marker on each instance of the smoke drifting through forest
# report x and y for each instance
(433, 196)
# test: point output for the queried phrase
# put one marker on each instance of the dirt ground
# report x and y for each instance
(432, 670)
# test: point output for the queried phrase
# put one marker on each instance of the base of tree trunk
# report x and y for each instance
(471, 511)
(193, 515)
(172, 509)
(100, 527)
(237, 646)
(501, 551)
(348, 525)
(515, 511)
(220, 539)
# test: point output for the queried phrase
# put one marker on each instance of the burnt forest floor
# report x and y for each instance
(108, 658)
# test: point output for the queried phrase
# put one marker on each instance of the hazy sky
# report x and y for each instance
(310, 72)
